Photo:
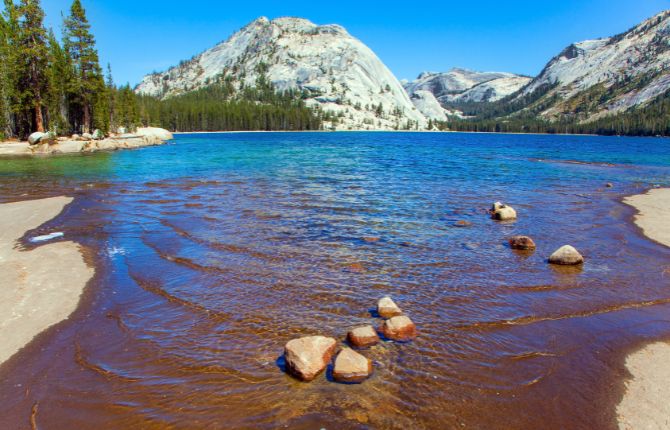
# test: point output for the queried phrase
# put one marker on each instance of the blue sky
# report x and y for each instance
(140, 36)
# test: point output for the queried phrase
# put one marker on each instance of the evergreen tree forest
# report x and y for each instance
(55, 85)
(218, 107)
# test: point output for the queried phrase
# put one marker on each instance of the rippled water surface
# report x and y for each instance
(215, 250)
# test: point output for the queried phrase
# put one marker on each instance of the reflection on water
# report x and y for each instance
(216, 250)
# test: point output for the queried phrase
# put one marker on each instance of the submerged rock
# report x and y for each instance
(386, 308)
(399, 328)
(308, 356)
(363, 337)
(523, 243)
(351, 367)
(462, 223)
(566, 256)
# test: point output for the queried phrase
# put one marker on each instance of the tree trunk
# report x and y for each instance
(39, 119)
(86, 126)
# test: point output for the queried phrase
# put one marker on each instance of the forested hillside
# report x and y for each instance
(47, 84)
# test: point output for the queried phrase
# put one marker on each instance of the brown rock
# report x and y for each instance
(566, 256)
(371, 239)
(308, 356)
(386, 308)
(398, 328)
(462, 223)
(351, 367)
(523, 243)
(363, 337)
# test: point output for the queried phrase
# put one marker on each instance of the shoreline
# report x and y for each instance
(396, 131)
(644, 402)
(145, 136)
(42, 286)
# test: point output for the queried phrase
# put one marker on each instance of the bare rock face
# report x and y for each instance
(363, 337)
(503, 212)
(523, 243)
(351, 367)
(566, 256)
(307, 357)
(399, 328)
(386, 308)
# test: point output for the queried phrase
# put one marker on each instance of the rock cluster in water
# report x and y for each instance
(564, 256)
(307, 357)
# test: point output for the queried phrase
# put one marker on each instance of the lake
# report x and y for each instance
(215, 250)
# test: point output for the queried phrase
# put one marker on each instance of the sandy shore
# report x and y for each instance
(645, 404)
(654, 214)
(38, 288)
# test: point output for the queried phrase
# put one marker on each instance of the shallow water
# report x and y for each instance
(216, 250)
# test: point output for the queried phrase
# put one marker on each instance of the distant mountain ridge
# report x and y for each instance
(342, 79)
(460, 85)
(595, 78)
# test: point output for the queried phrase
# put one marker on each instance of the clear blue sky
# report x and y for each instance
(140, 36)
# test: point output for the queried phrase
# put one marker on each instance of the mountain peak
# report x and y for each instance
(334, 71)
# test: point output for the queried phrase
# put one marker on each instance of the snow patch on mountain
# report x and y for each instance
(338, 72)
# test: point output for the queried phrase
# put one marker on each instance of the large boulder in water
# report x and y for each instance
(155, 132)
(308, 356)
(502, 212)
(399, 328)
(363, 337)
(566, 256)
(523, 243)
(351, 367)
(386, 308)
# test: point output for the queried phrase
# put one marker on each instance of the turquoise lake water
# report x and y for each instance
(216, 249)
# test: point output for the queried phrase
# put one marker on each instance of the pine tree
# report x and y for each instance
(88, 83)
(32, 84)
(60, 75)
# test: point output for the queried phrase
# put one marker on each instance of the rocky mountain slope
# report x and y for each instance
(334, 71)
(460, 85)
(596, 78)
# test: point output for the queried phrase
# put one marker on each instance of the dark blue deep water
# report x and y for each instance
(214, 250)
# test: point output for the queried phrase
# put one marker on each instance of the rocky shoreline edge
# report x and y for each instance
(146, 136)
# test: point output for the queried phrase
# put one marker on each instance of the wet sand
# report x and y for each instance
(645, 404)
(40, 287)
